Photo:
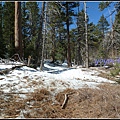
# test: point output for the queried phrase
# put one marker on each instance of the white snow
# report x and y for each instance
(54, 78)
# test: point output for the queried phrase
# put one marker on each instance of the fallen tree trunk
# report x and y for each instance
(7, 70)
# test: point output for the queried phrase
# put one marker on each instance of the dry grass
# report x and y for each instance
(82, 103)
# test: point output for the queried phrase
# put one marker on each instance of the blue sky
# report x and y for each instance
(94, 13)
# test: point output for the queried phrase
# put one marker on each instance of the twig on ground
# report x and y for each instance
(65, 101)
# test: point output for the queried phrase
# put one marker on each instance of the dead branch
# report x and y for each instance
(12, 116)
(65, 101)
(29, 59)
(7, 70)
(9, 93)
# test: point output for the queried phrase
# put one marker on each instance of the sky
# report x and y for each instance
(94, 13)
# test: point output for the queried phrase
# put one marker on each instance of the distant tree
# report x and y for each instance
(80, 37)
(2, 44)
(52, 21)
(68, 12)
(95, 39)
(25, 27)
(112, 38)
(8, 22)
(32, 29)
(86, 39)
(1, 21)
(103, 27)
(116, 31)
(39, 40)
(104, 5)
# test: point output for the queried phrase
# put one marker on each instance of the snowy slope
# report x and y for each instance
(54, 78)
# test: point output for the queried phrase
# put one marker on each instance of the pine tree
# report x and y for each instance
(112, 41)
(103, 27)
(94, 36)
(33, 22)
(68, 12)
(116, 30)
(25, 38)
(2, 45)
(8, 28)
(80, 37)
(51, 25)
(39, 40)
(54, 23)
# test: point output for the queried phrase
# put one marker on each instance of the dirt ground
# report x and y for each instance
(101, 102)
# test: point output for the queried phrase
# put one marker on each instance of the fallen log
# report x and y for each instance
(7, 70)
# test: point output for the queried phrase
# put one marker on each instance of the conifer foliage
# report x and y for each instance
(43, 31)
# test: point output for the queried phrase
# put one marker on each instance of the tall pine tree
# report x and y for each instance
(8, 28)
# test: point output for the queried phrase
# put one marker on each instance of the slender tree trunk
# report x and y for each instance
(87, 50)
(24, 46)
(1, 21)
(112, 35)
(18, 34)
(39, 41)
(68, 37)
(53, 45)
(43, 43)
(79, 57)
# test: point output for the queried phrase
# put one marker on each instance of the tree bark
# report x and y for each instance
(68, 36)
(0, 20)
(79, 57)
(18, 34)
(44, 37)
(87, 50)
(53, 45)
(40, 36)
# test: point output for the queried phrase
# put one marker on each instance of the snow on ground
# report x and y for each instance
(54, 78)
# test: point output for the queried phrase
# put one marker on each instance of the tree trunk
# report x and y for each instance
(24, 45)
(44, 37)
(79, 57)
(1, 34)
(87, 50)
(0, 20)
(18, 34)
(53, 45)
(68, 37)
(39, 41)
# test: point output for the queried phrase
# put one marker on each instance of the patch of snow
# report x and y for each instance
(54, 78)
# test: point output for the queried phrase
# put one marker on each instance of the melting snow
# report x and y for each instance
(54, 78)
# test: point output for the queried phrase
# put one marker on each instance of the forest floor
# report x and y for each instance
(102, 101)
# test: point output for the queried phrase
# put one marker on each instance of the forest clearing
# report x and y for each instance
(59, 92)
(57, 62)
